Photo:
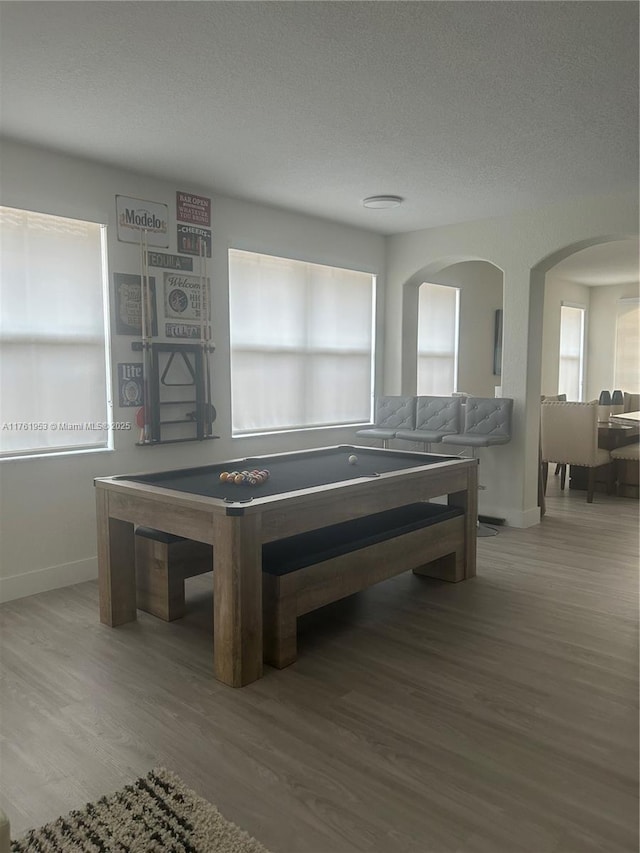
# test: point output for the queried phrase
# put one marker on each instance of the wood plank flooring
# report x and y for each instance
(493, 716)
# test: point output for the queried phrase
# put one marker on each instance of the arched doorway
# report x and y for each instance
(593, 276)
(480, 283)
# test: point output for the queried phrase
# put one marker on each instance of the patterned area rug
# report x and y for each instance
(157, 814)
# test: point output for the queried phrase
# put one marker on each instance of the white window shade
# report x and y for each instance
(53, 364)
(301, 343)
(571, 356)
(438, 317)
(627, 359)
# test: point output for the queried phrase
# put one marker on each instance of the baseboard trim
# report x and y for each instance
(42, 580)
(528, 518)
(490, 519)
(512, 518)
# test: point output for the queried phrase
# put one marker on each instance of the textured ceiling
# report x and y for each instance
(616, 262)
(467, 109)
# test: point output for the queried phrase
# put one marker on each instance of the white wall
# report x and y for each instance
(47, 516)
(602, 335)
(601, 303)
(556, 292)
(480, 296)
(524, 246)
(47, 520)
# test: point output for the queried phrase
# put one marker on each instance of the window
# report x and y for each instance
(438, 322)
(626, 375)
(571, 366)
(302, 344)
(54, 375)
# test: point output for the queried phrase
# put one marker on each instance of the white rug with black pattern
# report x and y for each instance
(156, 814)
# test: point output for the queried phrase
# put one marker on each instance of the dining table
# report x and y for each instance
(618, 431)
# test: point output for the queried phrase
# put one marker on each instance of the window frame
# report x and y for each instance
(631, 303)
(302, 352)
(582, 360)
(455, 356)
(41, 338)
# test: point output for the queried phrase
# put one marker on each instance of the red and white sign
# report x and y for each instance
(193, 208)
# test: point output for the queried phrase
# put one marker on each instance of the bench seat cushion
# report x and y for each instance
(315, 546)
(158, 535)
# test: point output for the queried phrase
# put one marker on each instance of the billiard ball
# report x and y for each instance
(224, 476)
(353, 459)
(239, 478)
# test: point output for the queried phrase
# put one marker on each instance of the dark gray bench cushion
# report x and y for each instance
(158, 535)
(316, 546)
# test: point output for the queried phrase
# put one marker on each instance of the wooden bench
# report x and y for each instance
(163, 562)
(307, 571)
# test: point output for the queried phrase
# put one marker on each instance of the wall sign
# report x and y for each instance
(193, 208)
(182, 330)
(169, 262)
(135, 216)
(130, 384)
(190, 238)
(128, 304)
(182, 296)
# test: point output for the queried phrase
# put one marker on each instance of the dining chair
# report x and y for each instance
(560, 468)
(569, 436)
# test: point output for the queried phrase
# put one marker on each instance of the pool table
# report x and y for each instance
(306, 490)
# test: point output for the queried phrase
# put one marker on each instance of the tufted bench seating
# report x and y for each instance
(391, 414)
(487, 422)
(627, 462)
(436, 418)
(304, 572)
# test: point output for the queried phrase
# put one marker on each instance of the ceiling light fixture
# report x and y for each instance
(381, 202)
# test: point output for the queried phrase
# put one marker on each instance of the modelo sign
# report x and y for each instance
(136, 216)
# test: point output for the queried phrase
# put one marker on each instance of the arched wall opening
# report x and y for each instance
(538, 278)
(481, 295)
(594, 279)
(536, 295)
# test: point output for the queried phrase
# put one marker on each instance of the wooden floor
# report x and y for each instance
(497, 715)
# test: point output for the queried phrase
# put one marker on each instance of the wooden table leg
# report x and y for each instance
(116, 565)
(468, 501)
(237, 599)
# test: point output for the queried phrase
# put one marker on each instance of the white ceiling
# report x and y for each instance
(467, 109)
(616, 262)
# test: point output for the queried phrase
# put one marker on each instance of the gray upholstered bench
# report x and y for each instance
(304, 572)
(307, 571)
